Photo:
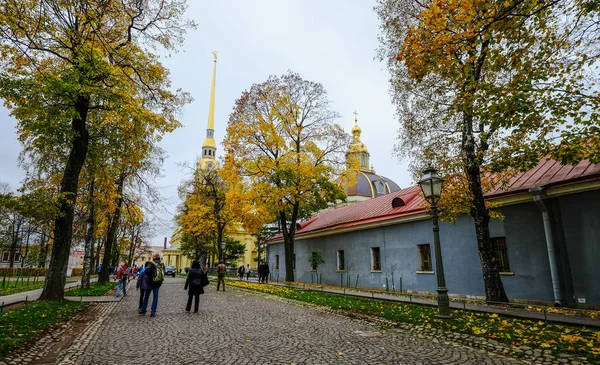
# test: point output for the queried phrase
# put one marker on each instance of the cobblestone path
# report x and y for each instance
(241, 327)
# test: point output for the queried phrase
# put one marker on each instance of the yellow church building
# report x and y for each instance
(173, 256)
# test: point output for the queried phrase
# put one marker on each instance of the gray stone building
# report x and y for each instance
(548, 250)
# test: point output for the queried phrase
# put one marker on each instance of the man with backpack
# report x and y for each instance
(155, 271)
(123, 277)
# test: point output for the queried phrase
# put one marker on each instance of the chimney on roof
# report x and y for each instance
(165, 243)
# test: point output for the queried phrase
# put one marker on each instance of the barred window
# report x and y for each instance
(501, 251)
(375, 259)
(425, 257)
(340, 260)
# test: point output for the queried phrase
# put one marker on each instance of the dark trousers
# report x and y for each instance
(248, 276)
(142, 292)
(221, 279)
(196, 302)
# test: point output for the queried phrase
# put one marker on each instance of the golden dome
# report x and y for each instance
(357, 146)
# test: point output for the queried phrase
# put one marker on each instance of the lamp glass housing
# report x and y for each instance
(431, 185)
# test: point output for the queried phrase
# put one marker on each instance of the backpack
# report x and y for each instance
(159, 274)
(123, 274)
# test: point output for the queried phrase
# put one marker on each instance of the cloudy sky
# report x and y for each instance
(332, 42)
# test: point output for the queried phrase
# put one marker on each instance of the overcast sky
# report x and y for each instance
(332, 42)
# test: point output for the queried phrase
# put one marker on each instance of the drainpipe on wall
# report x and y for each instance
(536, 192)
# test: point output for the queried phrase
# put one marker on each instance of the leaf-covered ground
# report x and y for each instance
(23, 324)
(578, 341)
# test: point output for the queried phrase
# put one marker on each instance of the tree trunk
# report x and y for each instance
(288, 241)
(220, 245)
(26, 244)
(89, 238)
(111, 236)
(494, 289)
(14, 239)
(54, 286)
(43, 249)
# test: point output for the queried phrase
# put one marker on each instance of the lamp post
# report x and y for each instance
(431, 185)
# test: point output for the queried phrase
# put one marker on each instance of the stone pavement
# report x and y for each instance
(244, 327)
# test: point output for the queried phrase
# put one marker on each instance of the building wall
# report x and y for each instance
(580, 215)
(530, 278)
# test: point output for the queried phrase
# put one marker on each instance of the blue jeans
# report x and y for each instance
(154, 291)
(122, 283)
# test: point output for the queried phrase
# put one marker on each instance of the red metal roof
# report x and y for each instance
(547, 173)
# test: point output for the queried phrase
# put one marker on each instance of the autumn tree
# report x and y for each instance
(64, 64)
(204, 216)
(486, 87)
(285, 155)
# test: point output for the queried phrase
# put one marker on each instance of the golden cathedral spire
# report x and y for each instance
(209, 148)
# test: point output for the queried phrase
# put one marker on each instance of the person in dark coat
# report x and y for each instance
(142, 286)
(266, 272)
(261, 271)
(194, 283)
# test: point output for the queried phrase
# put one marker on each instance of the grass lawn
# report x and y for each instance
(577, 341)
(95, 289)
(22, 286)
(12, 287)
(23, 324)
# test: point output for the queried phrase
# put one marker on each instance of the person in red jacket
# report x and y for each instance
(123, 277)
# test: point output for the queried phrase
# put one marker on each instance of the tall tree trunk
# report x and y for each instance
(288, 241)
(134, 236)
(494, 289)
(99, 250)
(220, 245)
(14, 240)
(26, 244)
(44, 238)
(111, 236)
(89, 237)
(54, 286)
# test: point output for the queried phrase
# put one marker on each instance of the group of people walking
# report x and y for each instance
(263, 272)
(151, 276)
(149, 279)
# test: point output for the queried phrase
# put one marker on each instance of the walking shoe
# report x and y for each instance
(141, 313)
(152, 314)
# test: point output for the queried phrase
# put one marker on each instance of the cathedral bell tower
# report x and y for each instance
(209, 148)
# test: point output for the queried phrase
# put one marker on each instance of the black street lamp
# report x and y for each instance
(431, 185)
